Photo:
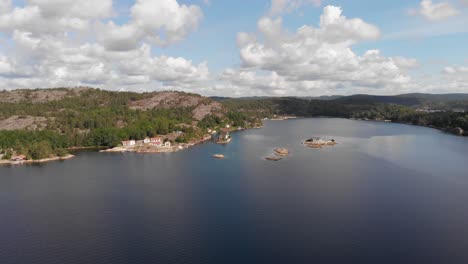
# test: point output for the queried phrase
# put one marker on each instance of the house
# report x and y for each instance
(146, 140)
(155, 141)
(128, 143)
(167, 144)
(18, 158)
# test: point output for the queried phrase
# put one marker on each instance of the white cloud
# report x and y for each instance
(42, 17)
(435, 11)
(457, 75)
(161, 22)
(5, 6)
(285, 6)
(73, 8)
(67, 43)
(316, 60)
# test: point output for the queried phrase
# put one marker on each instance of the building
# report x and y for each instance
(18, 158)
(128, 143)
(167, 144)
(146, 141)
(155, 141)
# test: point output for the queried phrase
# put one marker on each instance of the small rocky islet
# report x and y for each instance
(219, 156)
(318, 142)
(278, 154)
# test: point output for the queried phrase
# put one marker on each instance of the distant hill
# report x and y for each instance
(415, 100)
(436, 101)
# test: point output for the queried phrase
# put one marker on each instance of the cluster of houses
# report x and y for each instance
(154, 141)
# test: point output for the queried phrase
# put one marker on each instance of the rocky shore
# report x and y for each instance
(10, 162)
(282, 152)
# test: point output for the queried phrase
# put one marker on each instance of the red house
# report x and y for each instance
(18, 158)
(156, 141)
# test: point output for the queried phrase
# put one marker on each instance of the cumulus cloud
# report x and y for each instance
(457, 76)
(5, 6)
(316, 59)
(284, 6)
(51, 17)
(161, 22)
(70, 43)
(435, 11)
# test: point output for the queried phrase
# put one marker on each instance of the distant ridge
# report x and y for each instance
(443, 101)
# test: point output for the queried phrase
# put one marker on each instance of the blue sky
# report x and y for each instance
(215, 39)
(421, 45)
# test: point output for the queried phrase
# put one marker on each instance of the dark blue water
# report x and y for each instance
(387, 193)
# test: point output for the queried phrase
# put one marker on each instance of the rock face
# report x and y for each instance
(458, 131)
(281, 152)
(23, 122)
(202, 106)
(39, 95)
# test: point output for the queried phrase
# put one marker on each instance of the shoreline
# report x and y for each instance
(450, 131)
(39, 161)
(148, 149)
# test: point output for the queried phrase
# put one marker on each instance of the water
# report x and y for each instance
(387, 193)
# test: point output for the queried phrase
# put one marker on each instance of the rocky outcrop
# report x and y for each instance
(319, 142)
(282, 152)
(458, 131)
(39, 95)
(23, 122)
(202, 106)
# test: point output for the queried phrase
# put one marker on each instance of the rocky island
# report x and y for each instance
(278, 154)
(318, 142)
(282, 152)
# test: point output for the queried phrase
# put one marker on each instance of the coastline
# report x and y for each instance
(452, 131)
(23, 162)
(148, 149)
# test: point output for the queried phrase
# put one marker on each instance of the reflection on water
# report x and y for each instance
(387, 193)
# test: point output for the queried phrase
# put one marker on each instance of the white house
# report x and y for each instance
(146, 141)
(129, 143)
(167, 144)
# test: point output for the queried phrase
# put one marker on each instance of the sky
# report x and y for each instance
(237, 48)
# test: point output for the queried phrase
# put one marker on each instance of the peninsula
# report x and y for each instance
(46, 124)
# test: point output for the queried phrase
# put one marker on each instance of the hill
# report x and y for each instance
(86, 117)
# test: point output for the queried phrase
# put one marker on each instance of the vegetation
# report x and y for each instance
(97, 118)
(360, 107)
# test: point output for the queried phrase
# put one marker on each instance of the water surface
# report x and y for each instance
(387, 193)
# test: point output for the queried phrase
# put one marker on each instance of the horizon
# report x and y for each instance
(272, 48)
(210, 96)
